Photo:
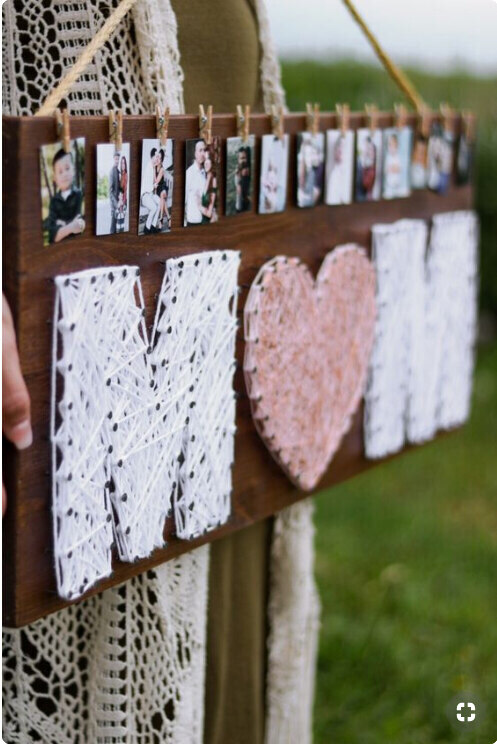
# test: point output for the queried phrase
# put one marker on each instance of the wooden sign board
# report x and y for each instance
(260, 488)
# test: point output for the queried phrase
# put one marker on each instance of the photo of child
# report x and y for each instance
(368, 165)
(274, 172)
(156, 187)
(112, 189)
(440, 159)
(239, 181)
(339, 166)
(62, 190)
(201, 181)
(310, 168)
(397, 145)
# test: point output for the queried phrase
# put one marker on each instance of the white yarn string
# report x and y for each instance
(143, 425)
(420, 375)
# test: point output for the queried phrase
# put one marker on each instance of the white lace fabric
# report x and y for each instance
(128, 665)
(124, 667)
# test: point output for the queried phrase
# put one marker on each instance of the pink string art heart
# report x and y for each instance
(307, 350)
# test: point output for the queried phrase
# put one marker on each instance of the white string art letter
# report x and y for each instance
(421, 370)
(142, 425)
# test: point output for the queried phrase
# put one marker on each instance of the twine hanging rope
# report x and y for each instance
(103, 35)
(63, 88)
(399, 78)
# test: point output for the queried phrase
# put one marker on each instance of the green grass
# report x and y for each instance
(358, 84)
(406, 567)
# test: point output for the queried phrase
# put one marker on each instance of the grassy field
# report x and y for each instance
(406, 567)
(407, 554)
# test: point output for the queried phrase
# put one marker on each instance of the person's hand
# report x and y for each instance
(16, 408)
(78, 225)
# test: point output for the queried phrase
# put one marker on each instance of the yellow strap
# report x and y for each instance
(103, 35)
(395, 73)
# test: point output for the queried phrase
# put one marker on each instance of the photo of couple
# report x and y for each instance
(239, 182)
(112, 189)
(156, 187)
(310, 168)
(62, 190)
(368, 165)
(201, 181)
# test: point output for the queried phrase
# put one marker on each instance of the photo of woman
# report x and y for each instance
(62, 190)
(201, 181)
(339, 166)
(112, 189)
(239, 182)
(310, 168)
(156, 190)
(397, 144)
(368, 165)
(274, 172)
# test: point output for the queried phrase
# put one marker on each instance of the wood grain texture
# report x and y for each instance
(260, 488)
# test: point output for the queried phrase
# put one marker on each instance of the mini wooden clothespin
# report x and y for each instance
(400, 115)
(62, 127)
(243, 122)
(116, 128)
(278, 121)
(162, 124)
(424, 122)
(371, 116)
(205, 124)
(312, 118)
(343, 116)
(468, 125)
(448, 118)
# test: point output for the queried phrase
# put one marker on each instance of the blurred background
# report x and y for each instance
(407, 555)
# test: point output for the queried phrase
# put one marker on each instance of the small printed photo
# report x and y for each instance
(274, 173)
(310, 168)
(369, 145)
(339, 166)
(239, 182)
(440, 159)
(419, 162)
(112, 189)
(202, 181)
(465, 160)
(156, 187)
(397, 145)
(62, 190)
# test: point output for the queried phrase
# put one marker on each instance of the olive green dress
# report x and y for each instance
(220, 56)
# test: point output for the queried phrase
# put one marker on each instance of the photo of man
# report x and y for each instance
(201, 182)
(239, 182)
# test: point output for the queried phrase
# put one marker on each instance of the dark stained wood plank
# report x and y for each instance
(260, 488)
